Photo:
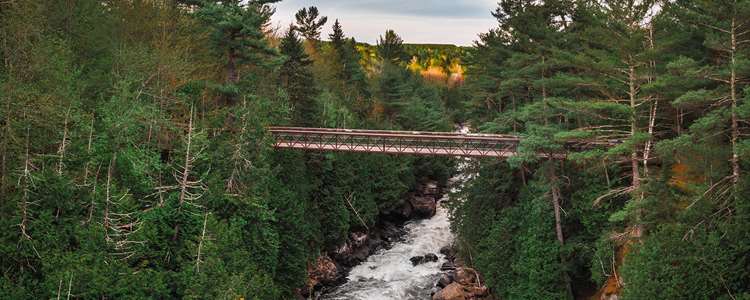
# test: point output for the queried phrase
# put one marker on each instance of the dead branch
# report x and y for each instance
(63, 144)
(348, 200)
(200, 245)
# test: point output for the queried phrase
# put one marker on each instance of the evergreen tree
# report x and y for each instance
(391, 48)
(238, 36)
(310, 23)
(337, 37)
(297, 79)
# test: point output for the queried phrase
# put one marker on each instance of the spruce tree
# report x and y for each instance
(298, 81)
(391, 48)
(337, 37)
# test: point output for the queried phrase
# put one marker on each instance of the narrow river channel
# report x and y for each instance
(390, 275)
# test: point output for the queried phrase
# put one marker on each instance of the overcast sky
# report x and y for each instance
(416, 21)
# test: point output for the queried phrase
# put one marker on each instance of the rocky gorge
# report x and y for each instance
(409, 254)
(331, 270)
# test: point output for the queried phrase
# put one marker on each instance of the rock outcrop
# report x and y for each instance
(361, 244)
(458, 282)
(424, 206)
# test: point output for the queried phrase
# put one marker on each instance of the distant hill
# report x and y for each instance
(439, 63)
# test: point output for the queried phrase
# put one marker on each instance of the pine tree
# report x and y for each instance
(347, 67)
(297, 79)
(238, 35)
(310, 23)
(725, 28)
(337, 37)
(391, 48)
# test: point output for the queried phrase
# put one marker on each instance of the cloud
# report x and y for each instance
(417, 21)
(425, 8)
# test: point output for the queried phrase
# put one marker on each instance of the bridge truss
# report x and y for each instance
(396, 142)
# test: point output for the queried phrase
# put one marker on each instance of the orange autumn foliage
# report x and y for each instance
(613, 286)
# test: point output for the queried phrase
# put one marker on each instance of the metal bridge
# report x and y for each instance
(398, 142)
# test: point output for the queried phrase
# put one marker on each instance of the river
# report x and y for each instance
(390, 275)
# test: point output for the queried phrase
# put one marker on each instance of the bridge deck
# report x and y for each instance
(396, 142)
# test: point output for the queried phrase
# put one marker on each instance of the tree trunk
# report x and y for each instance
(654, 109)
(555, 190)
(735, 123)
(232, 75)
(544, 91)
(634, 160)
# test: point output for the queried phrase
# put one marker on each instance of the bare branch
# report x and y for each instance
(200, 245)
(63, 144)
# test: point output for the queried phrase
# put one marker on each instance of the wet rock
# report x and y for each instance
(465, 276)
(444, 280)
(449, 252)
(400, 214)
(418, 260)
(430, 188)
(324, 272)
(435, 290)
(358, 239)
(447, 266)
(406, 210)
(453, 291)
(477, 291)
(424, 207)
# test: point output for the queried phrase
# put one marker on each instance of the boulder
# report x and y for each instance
(444, 281)
(435, 290)
(465, 276)
(405, 211)
(418, 260)
(447, 266)
(430, 189)
(424, 207)
(431, 257)
(477, 291)
(324, 271)
(453, 291)
(448, 251)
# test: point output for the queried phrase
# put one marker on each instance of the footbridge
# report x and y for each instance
(399, 142)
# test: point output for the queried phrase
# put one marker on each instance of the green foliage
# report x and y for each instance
(308, 23)
(391, 48)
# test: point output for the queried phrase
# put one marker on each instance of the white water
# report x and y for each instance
(390, 275)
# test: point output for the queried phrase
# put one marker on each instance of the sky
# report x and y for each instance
(456, 22)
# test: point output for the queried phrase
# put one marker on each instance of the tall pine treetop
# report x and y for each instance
(337, 37)
(391, 47)
(308, 23)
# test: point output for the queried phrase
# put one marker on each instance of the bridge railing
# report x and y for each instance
(396, 142)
